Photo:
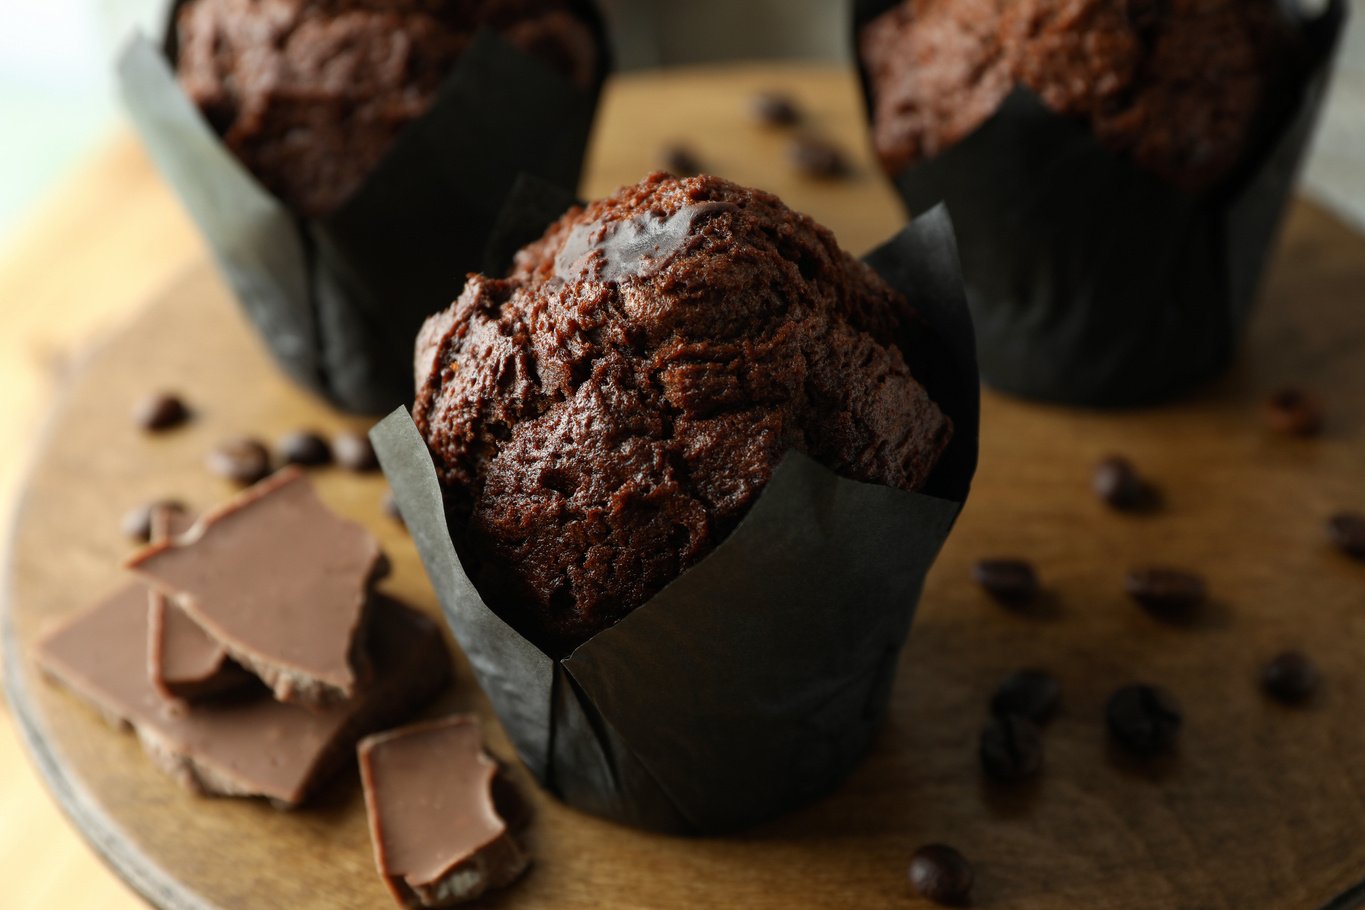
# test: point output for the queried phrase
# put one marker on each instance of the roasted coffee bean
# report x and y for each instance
(1010, 581)
(1165, 591)
(1120, 485)
(137, 522)
(1011, 748)
(817, 157)
(1294, 412)
(941, 874)
(160, 411)
(354, 452)
(775, 109)
(1291, 677)
(1145, 720)
(304, 447)
(1030, 694)
(1347, 530)
(243, 461)
(681, 161)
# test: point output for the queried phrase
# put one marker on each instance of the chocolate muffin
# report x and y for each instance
(604, 416)
(311, 94)
(1179, 86)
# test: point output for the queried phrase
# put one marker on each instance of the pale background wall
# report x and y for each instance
(56, 100)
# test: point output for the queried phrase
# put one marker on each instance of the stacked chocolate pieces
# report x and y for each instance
(253, 652)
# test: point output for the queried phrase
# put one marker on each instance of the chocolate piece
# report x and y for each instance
(1347, 530)
(160, 411)
(1166, 592)
(280, 582)
(354, 452)
(430, 795)
(137, 522)
(1294, 412)
(242, 460)
(1010, 581)
(605, 415)
(182, 661)
(775, 109)
(941, 874)
(1291, 677)
(817, 157)
(304, 447)
(241, 747)
(1145, 720)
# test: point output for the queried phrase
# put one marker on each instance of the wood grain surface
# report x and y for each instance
(1261, 807)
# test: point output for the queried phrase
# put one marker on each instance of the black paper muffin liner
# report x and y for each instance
(755, 681)
(338, 299)
(1091, 281)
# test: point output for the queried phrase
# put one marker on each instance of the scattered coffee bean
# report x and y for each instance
(160, 411)
(390, 506)
(242, 460)
(1347, 530)
(304, 447)
(681, 161)
(1290, 677)
(1294, 412)
(1143, 719)
(1030, 694)
(817, 157)
(354, 452)
(1011, 748)
(775, 109)
(941, 874)
(1120, 485)
(1167, 592)
(137, 522)
(1010, 581)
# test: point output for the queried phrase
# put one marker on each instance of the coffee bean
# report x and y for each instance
(304, 447)
(160, 411)
(775, 109)
(354, 452)
(1010, 581)
(1120, 485)
(941, 874)
(818, 158)
(1145, 720)
(681, 161)
(1294, 412)
(1011, 748)
(1030, 694)
(1291, 677)
(1347, 530)
(1165, 591)
(243, 461)
(137, 522)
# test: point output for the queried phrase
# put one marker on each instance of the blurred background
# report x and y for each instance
(57, 100)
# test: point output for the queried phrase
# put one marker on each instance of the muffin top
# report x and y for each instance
(1177, 85)
(310, 94)
(603, 417)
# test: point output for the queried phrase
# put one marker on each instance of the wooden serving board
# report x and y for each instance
(1262, 806)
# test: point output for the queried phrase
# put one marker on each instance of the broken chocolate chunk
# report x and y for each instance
(431, 793)
(279, 581)
(254, 746)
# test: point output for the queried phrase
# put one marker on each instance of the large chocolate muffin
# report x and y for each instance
(1178, 85)
(605, 415)
(310, 94)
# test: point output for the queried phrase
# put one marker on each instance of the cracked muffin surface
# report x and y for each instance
(1179, 86)
(604, 416)
(311, 94)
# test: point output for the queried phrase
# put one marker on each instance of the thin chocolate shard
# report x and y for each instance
(432, 795)
(279, 581)
(252, 746)
(182, 660)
